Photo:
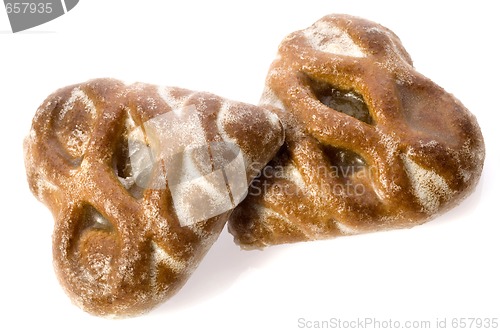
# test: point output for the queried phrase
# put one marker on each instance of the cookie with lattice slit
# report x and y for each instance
(371, 144)
(140, 180)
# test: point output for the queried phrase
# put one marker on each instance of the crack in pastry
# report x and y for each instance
(347, 102)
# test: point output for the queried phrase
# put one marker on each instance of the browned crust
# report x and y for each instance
(118, 252)
(424, 150)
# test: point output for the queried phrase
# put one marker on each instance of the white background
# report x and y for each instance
(448, 268)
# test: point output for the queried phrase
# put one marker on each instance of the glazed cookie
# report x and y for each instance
(140, 180)
(371, 144)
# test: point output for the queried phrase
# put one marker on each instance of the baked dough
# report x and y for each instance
(371, 144)
(121, 244)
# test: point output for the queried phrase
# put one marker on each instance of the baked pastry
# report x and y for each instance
(125, 236)
(370, 145)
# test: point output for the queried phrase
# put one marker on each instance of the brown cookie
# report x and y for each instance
(371, 144)
(140, 181)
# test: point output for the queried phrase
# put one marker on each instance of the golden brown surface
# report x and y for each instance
(370, 145)
(118, 248)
